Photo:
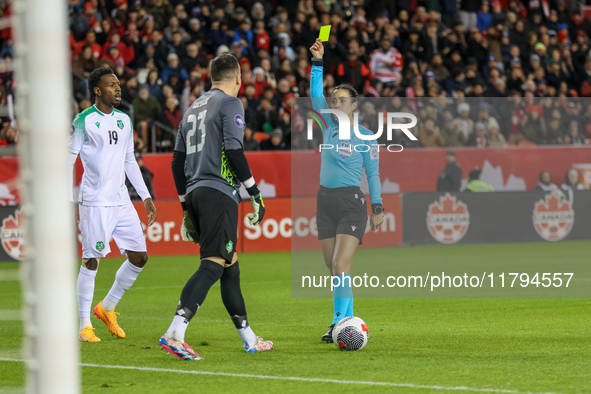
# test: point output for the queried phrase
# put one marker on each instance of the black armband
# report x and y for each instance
(253, 190)
(377, 209)
(317, 61)
(239, 164)
(184, 205)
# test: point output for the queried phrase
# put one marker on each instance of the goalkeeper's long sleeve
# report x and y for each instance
(178, 173)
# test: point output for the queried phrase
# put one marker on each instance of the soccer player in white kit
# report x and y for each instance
(103, 137)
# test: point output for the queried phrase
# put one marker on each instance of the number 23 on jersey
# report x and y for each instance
(191, 146)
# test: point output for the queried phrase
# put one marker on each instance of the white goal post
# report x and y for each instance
(44, 108)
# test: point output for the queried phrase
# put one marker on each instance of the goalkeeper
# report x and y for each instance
(208, 165)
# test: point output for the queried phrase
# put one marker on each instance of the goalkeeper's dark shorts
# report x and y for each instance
(342, 210)
(215, 216)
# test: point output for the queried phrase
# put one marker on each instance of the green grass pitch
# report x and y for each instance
(415, 345)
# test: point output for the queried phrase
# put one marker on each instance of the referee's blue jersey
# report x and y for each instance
(343, 168)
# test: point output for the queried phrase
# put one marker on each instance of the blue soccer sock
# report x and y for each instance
(350, 308)
(343, 296)
(340, 309)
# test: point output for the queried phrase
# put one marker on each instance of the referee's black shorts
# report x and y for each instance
(215, 216)
(342, 210)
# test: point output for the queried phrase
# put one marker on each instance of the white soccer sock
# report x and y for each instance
(85, 291)
(247, 335)
(177, 328)
(125, 277)
(84, 322)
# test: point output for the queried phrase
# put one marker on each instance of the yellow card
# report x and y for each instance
(324, 33)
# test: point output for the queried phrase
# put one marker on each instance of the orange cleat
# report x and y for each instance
(87, 335)
(110, 319)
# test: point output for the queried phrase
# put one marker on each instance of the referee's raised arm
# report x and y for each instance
(316, 83)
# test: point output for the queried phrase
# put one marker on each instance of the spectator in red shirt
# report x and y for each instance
(170, 117)
(125, 52)
(113, 54)
(259, 81)
(386, 63)
(262, 39)
(353, 71)
(518, 119)
(90, 40)
(91, 14)
(148, 29)
(9, 136)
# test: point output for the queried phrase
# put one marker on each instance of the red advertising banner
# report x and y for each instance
(412, 170)
(417, 170)
(9, 193)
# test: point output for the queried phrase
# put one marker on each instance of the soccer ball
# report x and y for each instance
(351, 333)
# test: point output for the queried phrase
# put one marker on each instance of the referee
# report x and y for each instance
(341, 213)
(208, 166)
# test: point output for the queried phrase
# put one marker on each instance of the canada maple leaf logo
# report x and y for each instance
(553, 217)
(12, 235)
(448, 219)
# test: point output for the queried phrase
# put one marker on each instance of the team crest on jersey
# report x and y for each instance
(120, 124)
(230, 246)
(100, 245)
(239, 121)
(345, 150)
(13, 236)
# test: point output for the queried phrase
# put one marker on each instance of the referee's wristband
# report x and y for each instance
(377, 209)
(253, 190)
(317, 61)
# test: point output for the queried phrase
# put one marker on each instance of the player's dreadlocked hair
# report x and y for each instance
(95, 78)
(224, 67)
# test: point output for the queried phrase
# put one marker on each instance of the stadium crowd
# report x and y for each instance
(444, 60)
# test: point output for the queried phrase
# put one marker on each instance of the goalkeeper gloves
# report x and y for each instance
(188, 232)
(258, 206)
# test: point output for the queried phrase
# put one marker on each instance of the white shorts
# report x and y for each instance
(99, 224)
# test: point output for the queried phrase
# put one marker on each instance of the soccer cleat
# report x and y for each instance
(181, 350)
(259, 346)
(87, 335)
(328, 336)
(192, 352)
(110, 319)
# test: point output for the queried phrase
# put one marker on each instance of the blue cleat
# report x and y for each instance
(181, 350)
(259, 346)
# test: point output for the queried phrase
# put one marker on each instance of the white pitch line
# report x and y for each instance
(299, 379)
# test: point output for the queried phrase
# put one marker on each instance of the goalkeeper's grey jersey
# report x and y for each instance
(210, 127)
